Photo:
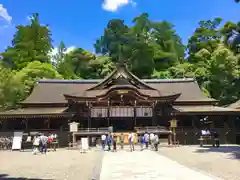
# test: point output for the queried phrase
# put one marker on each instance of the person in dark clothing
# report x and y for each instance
(216, 139)
(114, 143)
(142, 141)
(109, 141)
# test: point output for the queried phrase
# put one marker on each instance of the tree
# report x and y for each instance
(206, 36)
(11, 90)
(58, 58)
(115, 34)
(231, 35)
(34, 71)
(30, 43)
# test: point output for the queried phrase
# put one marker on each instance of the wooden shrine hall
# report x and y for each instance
(125, 102)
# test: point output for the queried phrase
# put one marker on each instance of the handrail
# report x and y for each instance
(93, 129)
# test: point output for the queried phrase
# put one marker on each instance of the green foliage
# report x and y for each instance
(11, 90)
(30, 43)
(34, 71)
(151, 49)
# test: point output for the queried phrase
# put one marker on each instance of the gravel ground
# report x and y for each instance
(60, 165)
(223, 162)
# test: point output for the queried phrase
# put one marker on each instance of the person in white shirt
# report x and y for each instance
(151, 140)
(146, 139)
(155, 142)
(103, 138)
(131, 141)
(36, 144)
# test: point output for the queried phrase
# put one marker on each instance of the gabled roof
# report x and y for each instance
(235, 105)
(36, 112)
(52, 91)
(121, 72)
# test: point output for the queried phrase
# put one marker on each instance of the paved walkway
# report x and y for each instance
(145, 165)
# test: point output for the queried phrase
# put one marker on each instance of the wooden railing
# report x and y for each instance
(93, 129)
(151, 129)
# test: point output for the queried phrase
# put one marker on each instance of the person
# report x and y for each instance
(216, 139)
(155, 142)
(108, 141)
(50, 140)
(103, 139)
(55, 141)
(110, 129)
(114, 143)
(29, 138)
(121, 140)
(142, 141)
(44, 140)
(131, 141)
(146, 139)
(151, 140)
(36, 144)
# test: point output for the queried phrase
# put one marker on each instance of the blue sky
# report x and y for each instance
(80, 22)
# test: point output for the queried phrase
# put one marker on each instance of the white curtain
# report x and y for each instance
(144, 112)
(98, 112)
(122, 112)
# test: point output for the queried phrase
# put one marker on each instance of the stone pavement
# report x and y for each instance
(145, 165)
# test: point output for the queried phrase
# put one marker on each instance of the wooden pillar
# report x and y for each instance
(135, 113)
(193, 122)
(212, 119)
(48, 123)
(74, 139)
(5, 124)
(226, 129)
(108, 113)
(26, 124)
(89, 115)
(154, 123)
(1, 124)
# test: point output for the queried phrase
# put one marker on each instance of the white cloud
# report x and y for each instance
(71, 48)
(4, 14)
(114, 5)
(55, 51)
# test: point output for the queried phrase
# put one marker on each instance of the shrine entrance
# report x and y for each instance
(122, 118)
(122, 124)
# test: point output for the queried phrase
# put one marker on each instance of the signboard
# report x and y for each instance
(84, 142)
(73, 127)
(173, 123)
(122, 91)
(17, 141)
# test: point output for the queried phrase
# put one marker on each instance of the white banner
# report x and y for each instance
(84, 142)
(17, 141)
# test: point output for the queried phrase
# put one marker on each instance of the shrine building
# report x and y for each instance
(125, 102)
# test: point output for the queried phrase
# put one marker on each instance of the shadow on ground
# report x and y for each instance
(7, 177)
(233, 151)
